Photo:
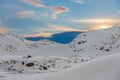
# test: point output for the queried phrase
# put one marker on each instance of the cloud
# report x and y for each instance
(62, 28)
(43, 34)
(35, 3)
(24, 14)
(52, 29)
(58, 10)
(78, 1)
(98, 23)
(1, 22)
(101, 26)
(95, 21)
(119, 12)
(4, 30)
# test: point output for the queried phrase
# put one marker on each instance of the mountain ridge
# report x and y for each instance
(97, 42)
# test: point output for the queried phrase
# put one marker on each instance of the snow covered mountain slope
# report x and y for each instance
(27, 60)
(11, 44)
(30, 64)
(99, 42)
(105, 68)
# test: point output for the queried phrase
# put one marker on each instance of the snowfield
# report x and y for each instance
(105, 68)
(93, 55)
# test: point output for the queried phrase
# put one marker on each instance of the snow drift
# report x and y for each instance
(106, 68)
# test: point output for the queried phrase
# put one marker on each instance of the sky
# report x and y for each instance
(47, 17)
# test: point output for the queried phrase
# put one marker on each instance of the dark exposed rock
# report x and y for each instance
(30, 64)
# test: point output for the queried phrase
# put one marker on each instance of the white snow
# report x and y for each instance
(106, 68)
(97, 42)
(94, 55)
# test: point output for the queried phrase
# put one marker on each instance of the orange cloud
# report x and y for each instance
(52, 29)
(55, 28)
(35, 3)
(58, 10)
(63, 28)
(3, 30)
(44, 34)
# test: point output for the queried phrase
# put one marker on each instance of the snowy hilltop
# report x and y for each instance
(96, 42)
(93, 55)
(11, 44)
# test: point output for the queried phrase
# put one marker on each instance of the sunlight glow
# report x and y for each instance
(95, 21)
(101, 26)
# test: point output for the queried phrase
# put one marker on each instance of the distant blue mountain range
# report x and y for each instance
(64, 38)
